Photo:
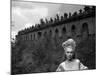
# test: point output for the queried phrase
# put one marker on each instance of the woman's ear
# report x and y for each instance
(63, 45)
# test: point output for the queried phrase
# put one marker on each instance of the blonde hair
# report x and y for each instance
(69, 42)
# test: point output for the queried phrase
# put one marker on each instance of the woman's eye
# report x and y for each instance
(67, 52)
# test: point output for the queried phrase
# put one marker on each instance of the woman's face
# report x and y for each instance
(69, 52)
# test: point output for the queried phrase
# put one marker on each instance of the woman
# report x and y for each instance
(71, 63)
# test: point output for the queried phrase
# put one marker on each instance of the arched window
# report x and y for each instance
(39, 34)
(84, 30)
(56, 31)
(26, 38)
(23, 37)
(50, 33)
(64, 30)
(73, 30)
(31, 37)
(34, 36)
(84, 26)
(45, 34)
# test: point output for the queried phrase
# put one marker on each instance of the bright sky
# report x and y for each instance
(25, 14)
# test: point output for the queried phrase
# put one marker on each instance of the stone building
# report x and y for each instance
(76, 25)
(42, 43)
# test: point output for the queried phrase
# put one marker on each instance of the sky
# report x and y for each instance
(27, 13)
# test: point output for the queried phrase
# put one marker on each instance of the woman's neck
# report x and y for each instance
(71, 60)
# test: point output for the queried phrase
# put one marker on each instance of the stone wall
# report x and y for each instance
(39, 49)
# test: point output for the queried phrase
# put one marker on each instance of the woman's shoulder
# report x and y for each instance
(62, 64)
(77, 60)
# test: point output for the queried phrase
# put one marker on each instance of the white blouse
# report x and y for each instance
(71, 65)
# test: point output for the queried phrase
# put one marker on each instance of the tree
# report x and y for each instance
(69, 14)
(46, 20)
(62, 17)
(57, 16)
(87, 8)
(65, 15)
(80, 11)
(41, 21)
(75, 13)
(51, 20)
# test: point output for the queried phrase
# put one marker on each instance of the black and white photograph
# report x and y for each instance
(52, 37)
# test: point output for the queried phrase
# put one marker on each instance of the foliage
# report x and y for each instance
(48, 54)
